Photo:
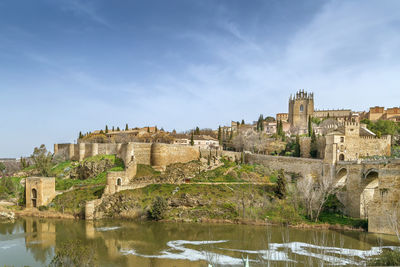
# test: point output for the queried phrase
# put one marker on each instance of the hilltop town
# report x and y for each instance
(260, 172)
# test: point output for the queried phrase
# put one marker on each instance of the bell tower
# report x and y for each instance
(301, 108)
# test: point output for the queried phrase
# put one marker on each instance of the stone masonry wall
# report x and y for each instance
(163, 155)
(45, 191)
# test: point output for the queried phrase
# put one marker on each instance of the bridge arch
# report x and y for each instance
(370, 181)
(341, 176)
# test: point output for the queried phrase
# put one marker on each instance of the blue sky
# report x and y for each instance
(76, 65)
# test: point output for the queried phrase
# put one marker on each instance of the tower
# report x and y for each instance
(301, 108)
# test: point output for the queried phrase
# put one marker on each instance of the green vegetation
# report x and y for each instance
(233, 172)
(335, 218)
(64, 184)
(63, 169)
(158, 208)
(145, 171)
(73, 202)
(388, 257)
(313, 146)
(10, 187)
(42, 160)
(383, 127)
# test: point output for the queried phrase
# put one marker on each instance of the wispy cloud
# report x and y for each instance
(86, 9)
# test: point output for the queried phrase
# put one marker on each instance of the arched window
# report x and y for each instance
(341, 157)
(119, 181)
(34, 193)
(301, 108)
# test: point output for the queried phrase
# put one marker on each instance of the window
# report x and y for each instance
(301, 108)
(119, 181)
(342, 139)
(341, 157)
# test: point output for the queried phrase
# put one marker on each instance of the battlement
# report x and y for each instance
(350, 123)
(301, 94)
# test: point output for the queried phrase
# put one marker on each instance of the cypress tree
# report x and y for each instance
(191, 140)
(155, 129)
(219, 135)
(126, 127)
(313, 145)
(242, 122)
(148, 129)
(80, 135)
(297, 147)
(310, 131)
(197, 131)
(113, 129)
(106, 129)
(231, 135)
(118, 129)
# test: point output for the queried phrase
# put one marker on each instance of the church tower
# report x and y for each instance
(301, 107)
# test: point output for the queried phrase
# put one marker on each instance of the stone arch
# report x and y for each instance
(119, 181)
(370, 183)
(341, 176)
(341, 157)
(34, 197)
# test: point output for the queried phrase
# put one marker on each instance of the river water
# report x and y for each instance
(32, 242)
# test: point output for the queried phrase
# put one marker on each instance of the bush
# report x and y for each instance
(158, 208)
(43, 208)
(388, 257)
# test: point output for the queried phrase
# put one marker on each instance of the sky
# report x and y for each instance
(78, 65)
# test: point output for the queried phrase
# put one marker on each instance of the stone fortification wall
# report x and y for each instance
(142, 153)
(302, 166)
(163, 155)
(332, 113)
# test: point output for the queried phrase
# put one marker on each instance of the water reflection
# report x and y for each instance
(124, 243)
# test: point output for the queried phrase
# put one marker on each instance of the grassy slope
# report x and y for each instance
(73, 202)
(61, 169)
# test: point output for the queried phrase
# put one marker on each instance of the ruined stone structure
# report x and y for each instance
(351, 141)
(40, 191)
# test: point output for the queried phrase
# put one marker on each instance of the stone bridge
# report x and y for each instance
(371, 190)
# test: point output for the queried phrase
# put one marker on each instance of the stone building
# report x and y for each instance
(352, 141)
(40, 191)
(301, 108)
(380, 113)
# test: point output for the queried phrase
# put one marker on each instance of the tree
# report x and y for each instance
(101, 132)
(314, 194)
(158, 208)
(148, 129)
(242, 122)
(42, 160)
(80, 135)
(113, 128)
(310, 130)
(106, 129)
(126, 127)
(155, 129)
(173, 131)
(280, 191)
(197, 131)
(297, 147)
(313, 146)
(219, 135)
(2, 167)
(191, 140)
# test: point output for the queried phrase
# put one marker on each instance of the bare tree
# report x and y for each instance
(393, 216)
(314, 193)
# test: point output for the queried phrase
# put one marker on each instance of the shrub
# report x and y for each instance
(158, 208)
(386, 258)
(43, 208)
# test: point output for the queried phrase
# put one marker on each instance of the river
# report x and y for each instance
(32, 242)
